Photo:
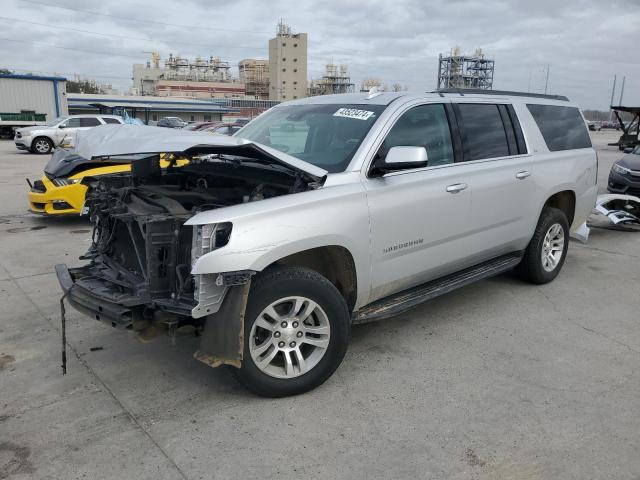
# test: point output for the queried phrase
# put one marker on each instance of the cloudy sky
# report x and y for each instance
(584, 43)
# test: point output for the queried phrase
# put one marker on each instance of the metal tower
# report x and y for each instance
(465, 71)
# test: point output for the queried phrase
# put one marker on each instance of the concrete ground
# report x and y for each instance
(500, 380)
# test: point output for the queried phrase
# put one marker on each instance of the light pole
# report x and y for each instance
(613, 91)
(546, 83)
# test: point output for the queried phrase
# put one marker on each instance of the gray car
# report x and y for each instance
(59, 131)
(325, 212)
(624, 177)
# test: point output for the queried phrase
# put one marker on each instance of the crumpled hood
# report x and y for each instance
(111, 140)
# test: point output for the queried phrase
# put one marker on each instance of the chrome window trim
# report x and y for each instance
(454, 164)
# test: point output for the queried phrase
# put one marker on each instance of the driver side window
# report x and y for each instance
(290, 137)
(422, 126)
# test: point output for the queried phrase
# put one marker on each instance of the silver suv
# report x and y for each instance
(326, 212)
(59, 131)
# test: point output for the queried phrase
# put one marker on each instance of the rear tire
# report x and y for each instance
(296, 332)
(41, 145)
(547, 250)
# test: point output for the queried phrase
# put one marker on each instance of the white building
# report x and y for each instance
(32, 94)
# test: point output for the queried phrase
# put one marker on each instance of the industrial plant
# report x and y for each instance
(283, 76)
(254, 74)
(457, 70)
(181, 77)
(335, 80)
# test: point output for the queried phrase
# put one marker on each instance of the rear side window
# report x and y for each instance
(89, 122)
(111, 120)
(562, 127)
(483, 133)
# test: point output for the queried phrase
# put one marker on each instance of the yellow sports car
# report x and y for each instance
(61, 190)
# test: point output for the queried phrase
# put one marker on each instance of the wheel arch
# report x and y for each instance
(334, 262)
(564, 200)
(46, 137)
(335, 250)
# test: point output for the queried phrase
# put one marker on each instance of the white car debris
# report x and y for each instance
(615, 210)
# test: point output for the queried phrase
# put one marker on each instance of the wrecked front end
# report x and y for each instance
(138, 276)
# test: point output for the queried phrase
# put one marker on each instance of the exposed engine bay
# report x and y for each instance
(141, 253)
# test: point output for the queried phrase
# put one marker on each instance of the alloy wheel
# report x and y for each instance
(289, 337)
(552, 247)
(42, 146)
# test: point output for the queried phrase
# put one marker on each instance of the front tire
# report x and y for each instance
(41, 145)
(296, 332)
(547, 250)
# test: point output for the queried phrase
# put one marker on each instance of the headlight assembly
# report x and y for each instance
(619, 169)
(209, 237)
(63, 182)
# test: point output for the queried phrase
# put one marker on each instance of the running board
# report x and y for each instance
(402, 301)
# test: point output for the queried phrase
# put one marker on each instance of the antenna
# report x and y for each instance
(375, 92)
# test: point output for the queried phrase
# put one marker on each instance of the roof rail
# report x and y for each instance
(481, 91)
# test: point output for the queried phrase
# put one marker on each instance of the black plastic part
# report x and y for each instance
(508, 128)
(87, 303)
(522, 146)
(455, 132)
(407, 299)
(38, 186)
(480, 91)
(146, 168)
(239, 277)
(63, 325)
(61, 205)
(222, 340)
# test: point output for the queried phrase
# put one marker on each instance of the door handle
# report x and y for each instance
(522, 175)
(456, 187)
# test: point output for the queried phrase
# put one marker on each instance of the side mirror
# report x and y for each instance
(628, 150)
(62, 125)
(401, 158)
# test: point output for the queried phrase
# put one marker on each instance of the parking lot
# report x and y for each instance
(499, 380)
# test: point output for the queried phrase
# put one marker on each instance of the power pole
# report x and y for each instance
(546, 83)
(622, 90)
(613, 91)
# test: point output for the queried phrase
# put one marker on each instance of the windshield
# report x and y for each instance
(54, 122)
(324, 135)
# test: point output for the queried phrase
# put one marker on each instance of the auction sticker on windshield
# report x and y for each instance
(353, 113)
